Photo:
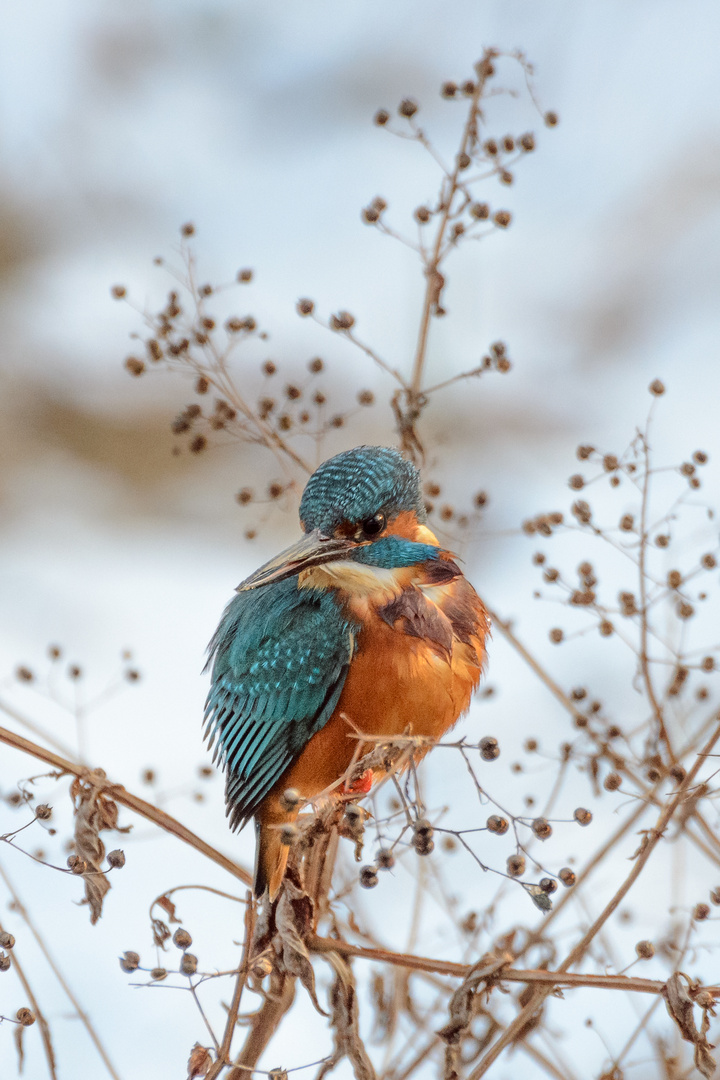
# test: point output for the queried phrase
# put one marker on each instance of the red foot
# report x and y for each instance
(361, 786)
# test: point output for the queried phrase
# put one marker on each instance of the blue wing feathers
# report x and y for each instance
(279, 660)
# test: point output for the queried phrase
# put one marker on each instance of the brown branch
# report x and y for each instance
(529, 976)
(223, 1057)
(125, 798)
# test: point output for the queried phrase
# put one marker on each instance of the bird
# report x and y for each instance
(365, 626)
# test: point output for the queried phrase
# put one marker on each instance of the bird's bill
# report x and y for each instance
(313, 550)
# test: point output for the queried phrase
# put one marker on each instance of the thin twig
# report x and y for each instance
(83, 1016)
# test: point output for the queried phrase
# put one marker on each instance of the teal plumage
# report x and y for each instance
(279, 658)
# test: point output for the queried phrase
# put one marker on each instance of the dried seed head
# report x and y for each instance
(407, 107)
(674, 579)
(4, 962)
(502, 218)
(202, 385)
(707, 663)
(715, 897)
(449, 89)
(576, 482)
(678, 773)
(182, 939)
(701, 912)
(556, 635)
(612, 781)
(548, 885)
(582, 816)
(244, 496)
(489, 748)
(531, 745)
(158, 974)
(116, 859)
(480, 211)
(370, 215)
(315, 365)
(305, 307)
(627, 522)
(527, 142)
(567, 876)
(188, 963)
(662, 540)
(385, 859)
(129, 961)
(468, 88)
(506, 177)
(606, 628)
(365, 397)
(198, 444)
(76, 864)
(645, 950)
(288, 835)
(516, 865)
(368, 877)
(542, 828)
(25, 1017)
(708, 562)
(657, 387)
(269, 367)
(551, 119)
(685, 610)
(43, 811)
(118, 292)
(290, 798)
(464, 161)
(188, 229)
(7, 941)
(135, 366)
(244, 276)
(261, 967)
(700, 457)
(498, 825)
(342, 321)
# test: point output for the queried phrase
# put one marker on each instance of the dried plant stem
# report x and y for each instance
(223, 1057)
(266, 1021)
(530, 976)
(125, 798)
(649, 844)
(450, 188)
(642, 584)
(83, 1016)
(40, 1016)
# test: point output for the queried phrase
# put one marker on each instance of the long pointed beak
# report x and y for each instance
(313, 550)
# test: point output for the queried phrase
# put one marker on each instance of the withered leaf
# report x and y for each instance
(679, 1004)
(168, 906)
(293, 921)
(199, 1061)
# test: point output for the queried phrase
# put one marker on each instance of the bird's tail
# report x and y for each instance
(271, 855)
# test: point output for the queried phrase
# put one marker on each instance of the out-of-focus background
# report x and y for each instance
(255, 122)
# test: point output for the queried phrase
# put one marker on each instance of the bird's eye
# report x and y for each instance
(374, 525)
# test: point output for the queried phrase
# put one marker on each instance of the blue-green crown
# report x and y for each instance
(357, 484)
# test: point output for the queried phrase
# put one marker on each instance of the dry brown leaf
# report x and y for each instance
(169, 907)
(199, 1061)
(680, 1004)
(293, 922)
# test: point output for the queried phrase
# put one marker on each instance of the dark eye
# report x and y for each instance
(374, 526)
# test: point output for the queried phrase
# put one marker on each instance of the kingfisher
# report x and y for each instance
(365, 626)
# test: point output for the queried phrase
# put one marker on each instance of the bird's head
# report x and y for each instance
(363, 505)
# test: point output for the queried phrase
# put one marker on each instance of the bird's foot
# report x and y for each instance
(361, 785)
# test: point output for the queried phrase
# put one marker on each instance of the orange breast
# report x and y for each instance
(399, 682)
